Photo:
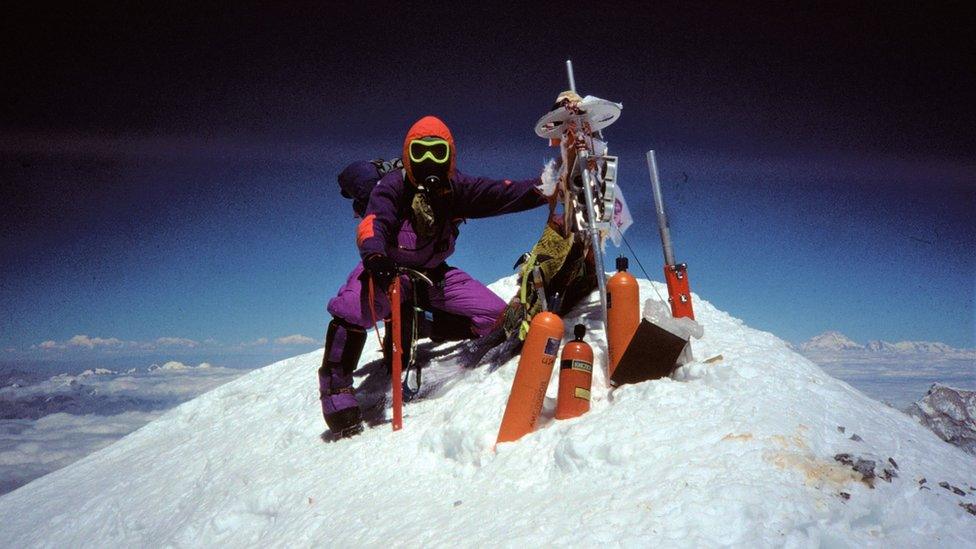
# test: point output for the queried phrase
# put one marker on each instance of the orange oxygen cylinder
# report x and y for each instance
(575, 377)
(532, 377)
(623, 312)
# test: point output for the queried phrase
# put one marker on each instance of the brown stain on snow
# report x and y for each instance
(816, 471)
(792, 452)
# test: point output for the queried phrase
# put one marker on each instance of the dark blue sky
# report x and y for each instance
(172, 174)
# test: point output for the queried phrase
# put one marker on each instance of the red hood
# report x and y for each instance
(426, 127)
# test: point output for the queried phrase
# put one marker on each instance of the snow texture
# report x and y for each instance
(759, 448)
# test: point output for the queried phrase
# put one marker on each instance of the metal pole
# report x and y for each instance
(569, 71)
(601, 274)
(662, 219)
(397, 367)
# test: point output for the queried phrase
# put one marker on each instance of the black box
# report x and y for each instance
(652, 354)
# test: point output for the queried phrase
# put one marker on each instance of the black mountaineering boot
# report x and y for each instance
(343, 344)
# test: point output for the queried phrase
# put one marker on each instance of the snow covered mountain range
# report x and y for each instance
(898, 374)
(757, 448)
(833, 341)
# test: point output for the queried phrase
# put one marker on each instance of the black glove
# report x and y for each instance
(382, 269)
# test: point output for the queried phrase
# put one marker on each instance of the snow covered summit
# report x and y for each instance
(831, 341)
(758, 448)
(916, 347)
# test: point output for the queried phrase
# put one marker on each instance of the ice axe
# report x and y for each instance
(397, 359)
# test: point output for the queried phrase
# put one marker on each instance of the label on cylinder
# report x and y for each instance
(577, 365)
(552, 347)
(582, 393)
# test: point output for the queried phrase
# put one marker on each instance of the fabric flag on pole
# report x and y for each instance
(621, 218)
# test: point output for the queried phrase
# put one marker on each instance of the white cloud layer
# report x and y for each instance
(296, 339)
(48, 424)
(30, 449)
(82, 340)
(86, 342)
(176, 342)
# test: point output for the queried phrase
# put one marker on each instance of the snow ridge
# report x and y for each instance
(741, 451)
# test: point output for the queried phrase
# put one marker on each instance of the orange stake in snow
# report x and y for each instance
(623, 312)
(575, 377)
(397, 354)
(532, 377)
(679, 293)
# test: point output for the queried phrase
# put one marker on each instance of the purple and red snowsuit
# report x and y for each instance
(386, 229)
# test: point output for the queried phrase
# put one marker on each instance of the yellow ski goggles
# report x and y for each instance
(437, 150)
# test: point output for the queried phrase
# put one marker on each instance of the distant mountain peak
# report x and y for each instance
(831, 340)
(834, 341)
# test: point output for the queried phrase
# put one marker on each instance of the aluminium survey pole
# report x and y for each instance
(675, 274)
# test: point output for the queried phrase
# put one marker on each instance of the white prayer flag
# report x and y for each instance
(621, 218)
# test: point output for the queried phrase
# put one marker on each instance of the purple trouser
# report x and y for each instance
(457, 294)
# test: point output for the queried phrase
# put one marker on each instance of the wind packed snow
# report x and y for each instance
(758, 448)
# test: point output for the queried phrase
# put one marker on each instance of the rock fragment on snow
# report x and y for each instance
(841, 428)
(865, 467)
(893, 463)
(844, 459)
(969, 507)
(856, 438)
(844, 495)
(949, 413)
(952, 488)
